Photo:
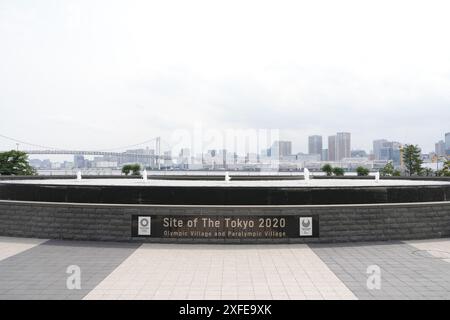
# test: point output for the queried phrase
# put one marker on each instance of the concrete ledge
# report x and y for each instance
(219, 176)
(113, 205)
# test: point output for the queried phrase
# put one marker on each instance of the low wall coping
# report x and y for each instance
(124, 205)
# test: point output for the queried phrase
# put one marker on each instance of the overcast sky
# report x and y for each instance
(101, 74)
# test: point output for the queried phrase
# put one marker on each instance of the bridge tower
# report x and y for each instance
(158, 151)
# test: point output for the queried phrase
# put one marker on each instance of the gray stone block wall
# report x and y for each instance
(336, 223)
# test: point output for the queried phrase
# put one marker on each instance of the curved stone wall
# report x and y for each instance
(331, 223)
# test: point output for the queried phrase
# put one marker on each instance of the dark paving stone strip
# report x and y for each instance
(404, 275)
(40, 272)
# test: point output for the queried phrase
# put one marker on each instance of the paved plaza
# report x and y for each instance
(43, 269)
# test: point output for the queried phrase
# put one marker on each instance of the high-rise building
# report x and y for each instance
(315, 145)
(396, 152)
(325, 155)
(184, 158)
(223, 157)
(266, 152)
(185, 152)
(212, 153)
(358, 154)
(332, 148)
(377, 145)
(281, 149)
(168, 158)
(387, 150)
(343, 145)
(439, 148)
(79, 161)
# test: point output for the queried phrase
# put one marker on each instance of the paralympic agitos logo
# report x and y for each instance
(305, 226)
(306, 223)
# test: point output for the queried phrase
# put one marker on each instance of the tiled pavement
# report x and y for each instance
(12, 246)
(404, 273)
(37, 269)
(223, 272)
(41, 272)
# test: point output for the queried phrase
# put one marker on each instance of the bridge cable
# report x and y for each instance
(60, 149)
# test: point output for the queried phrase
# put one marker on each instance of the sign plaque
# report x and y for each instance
(224, 227)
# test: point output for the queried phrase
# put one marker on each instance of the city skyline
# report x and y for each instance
(313, 143)
(279, 155)
(107, 75)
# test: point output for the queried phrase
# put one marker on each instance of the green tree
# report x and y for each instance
(328, 169)
(15, 163)
(427, 172)
(134, 169)
(126, 169)
(338, 171)
(388, 169)
(445, 171)
(361, 171)
(412, 159)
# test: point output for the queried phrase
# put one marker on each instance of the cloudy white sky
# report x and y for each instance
(101, 74)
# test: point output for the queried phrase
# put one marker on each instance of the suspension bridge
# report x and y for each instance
(139, 155)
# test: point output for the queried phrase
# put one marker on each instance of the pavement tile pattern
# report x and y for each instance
(41, 272)
(38, 269)
(11, 246)
(404, 273)
(222, 272)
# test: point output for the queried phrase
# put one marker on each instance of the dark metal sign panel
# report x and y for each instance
(225, 227)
